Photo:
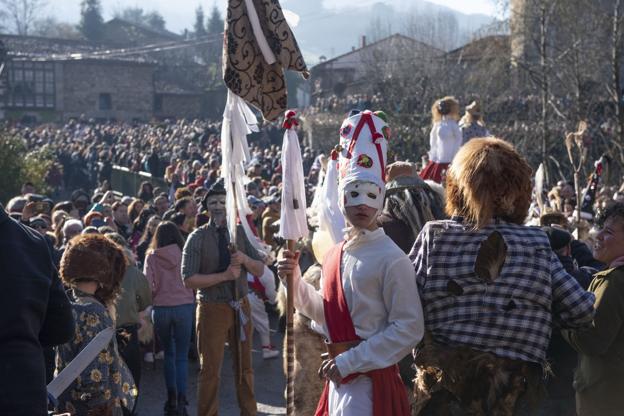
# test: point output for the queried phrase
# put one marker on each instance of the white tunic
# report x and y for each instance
(445, 140)
(379, 285)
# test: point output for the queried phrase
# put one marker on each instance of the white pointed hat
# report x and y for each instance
(362, 150)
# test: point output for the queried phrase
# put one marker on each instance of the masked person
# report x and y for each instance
(491, 288)
(368, 304)
(220, 278)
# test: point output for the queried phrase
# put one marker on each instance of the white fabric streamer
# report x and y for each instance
(330, 216)
(267, 53)
(238, 122)
(318, 192)
(293, 223)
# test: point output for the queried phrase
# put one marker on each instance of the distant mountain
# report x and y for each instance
(330, 32)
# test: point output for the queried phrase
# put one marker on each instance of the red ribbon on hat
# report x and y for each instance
(290, 120)
(367, 119)
(336, 152)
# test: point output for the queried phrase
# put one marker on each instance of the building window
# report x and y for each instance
(105, 101)
(31, 85)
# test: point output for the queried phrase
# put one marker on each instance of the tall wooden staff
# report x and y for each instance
(293, 226)
(572, 140)
(234, 150)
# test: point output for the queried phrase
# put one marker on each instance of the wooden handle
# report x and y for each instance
(290, 339)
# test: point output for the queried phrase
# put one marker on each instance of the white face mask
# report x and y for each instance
(216, 206)
(363, 193)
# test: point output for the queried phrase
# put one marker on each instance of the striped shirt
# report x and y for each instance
(512, 316)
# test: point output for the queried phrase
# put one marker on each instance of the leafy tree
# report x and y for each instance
(132, 14)
(20, 166)
(198, 27)
(91, 21)
(215, 21)
(156, 21)
(139, 16)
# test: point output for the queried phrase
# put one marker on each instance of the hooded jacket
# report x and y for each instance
(163, 272)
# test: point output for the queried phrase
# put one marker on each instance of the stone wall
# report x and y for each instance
(130, 85)
(179, 105)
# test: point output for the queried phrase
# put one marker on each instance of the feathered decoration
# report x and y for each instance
(293, 223)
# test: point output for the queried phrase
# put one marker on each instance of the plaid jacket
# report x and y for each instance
(510, 317)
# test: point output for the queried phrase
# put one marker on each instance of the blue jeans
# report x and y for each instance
(174, 325)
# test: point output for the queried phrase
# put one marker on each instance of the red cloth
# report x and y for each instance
(258, 288)
(252, 225)
(389, 396)
(434, 171)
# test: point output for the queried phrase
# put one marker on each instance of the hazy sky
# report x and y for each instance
(180, 13)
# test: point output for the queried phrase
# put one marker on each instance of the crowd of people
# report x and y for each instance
(148, 232)
(162, 259)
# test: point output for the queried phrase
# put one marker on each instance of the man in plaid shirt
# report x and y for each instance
(491, 289)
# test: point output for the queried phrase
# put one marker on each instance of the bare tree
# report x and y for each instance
(379, 28)
(22, 13)
(50, 27)
(616, 91)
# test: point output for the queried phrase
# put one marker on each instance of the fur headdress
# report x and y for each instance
(94, 257)
(488, 179)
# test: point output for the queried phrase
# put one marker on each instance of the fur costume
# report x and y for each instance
(309, 345)
(410, 202)
(488, 300)
(97, 258)
(462, 380)
(488, 180)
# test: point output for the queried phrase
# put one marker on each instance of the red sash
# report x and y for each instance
(389, 395)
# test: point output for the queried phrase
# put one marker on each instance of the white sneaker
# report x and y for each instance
(148, 357)
(160, 355)
(269, 352)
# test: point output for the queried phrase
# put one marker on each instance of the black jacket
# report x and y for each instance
(34, 312)
(562, 357)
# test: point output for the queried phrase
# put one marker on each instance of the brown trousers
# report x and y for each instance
(215, 327)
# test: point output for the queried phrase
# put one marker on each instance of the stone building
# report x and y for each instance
(482, 66)
(347, 73)
(167, 76)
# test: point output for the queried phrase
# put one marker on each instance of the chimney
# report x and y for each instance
(362, 41)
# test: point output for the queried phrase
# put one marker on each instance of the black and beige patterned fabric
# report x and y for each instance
(245, 71)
